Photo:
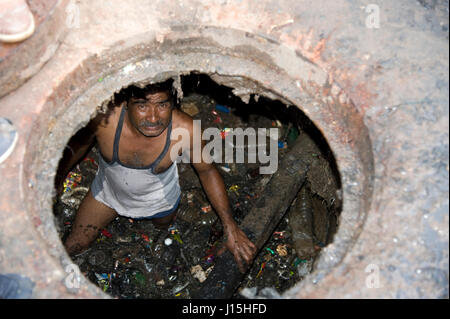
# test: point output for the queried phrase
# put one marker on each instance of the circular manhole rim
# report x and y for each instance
(351, 149)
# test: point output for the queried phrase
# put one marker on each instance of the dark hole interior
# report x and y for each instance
(129, 258)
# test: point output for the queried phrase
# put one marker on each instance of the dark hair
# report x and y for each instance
(137, 92)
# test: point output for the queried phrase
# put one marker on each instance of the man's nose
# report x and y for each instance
(152, 114)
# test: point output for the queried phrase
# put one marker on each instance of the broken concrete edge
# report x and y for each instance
(127, 70)
(106, 93)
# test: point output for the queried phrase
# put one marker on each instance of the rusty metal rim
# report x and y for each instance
(139, 64)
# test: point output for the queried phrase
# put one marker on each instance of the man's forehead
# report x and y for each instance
(151, 96)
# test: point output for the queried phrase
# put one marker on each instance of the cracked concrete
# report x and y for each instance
(379, 96)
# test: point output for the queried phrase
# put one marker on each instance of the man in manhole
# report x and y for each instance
(138, 178)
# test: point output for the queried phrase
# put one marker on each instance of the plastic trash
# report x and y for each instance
(263, 265)
(106, 233)
(282, 250)
(190, 108)
(222, 108)
(206, 209)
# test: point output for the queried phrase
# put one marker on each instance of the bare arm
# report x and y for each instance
(77, 147)
(235, 239)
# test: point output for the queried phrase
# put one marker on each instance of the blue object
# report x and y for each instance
(280, 144)
(222, 108)
(15, 286)
(8, 138)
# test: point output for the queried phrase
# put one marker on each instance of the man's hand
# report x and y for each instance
(239, 245)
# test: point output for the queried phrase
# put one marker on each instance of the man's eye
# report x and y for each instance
(141, 106)
(164, 104)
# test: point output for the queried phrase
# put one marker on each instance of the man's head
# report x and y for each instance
(150, 108)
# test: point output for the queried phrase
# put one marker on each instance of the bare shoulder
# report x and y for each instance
(105, 121)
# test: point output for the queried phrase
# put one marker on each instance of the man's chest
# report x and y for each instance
(136, 153)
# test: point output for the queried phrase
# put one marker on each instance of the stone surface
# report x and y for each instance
(379, 95)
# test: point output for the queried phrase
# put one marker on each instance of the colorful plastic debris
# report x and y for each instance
(210, 258)
(263, 265)
(222, 108)
(299, 261)
(282, 250)
(282, 144)
(145, 237)
(72, 180)
(106, 233)
(278, 234)
(90, 159)
(206, 209)
(234, 188)
(177, 237)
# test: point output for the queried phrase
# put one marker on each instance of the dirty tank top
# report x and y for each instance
(136, 192)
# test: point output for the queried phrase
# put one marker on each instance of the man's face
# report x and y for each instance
(151, 114)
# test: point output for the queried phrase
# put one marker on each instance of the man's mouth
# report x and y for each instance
(151, 128)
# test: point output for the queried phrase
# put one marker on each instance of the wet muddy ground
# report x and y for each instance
(133, 259)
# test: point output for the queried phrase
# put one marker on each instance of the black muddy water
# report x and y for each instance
(133, 259)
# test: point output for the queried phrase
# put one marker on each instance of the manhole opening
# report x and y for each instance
(129, 259)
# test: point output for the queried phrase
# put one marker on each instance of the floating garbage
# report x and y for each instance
(190, 108)
(234, 188)
(225, 169)
(206, 209)
(168, 242)
(177, 289)
(104, 284)
(177, 237)
(101, 276)
(123, 239)
(299, 261)
(222, 108)
(106, 233)
(282, 144)
(282, 250)
(209, 259)
(263, 265)
(72, 180)
(200, 274)
(92, 161)
(278, 234)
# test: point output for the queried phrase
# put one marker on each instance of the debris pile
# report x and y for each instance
(133, 259)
